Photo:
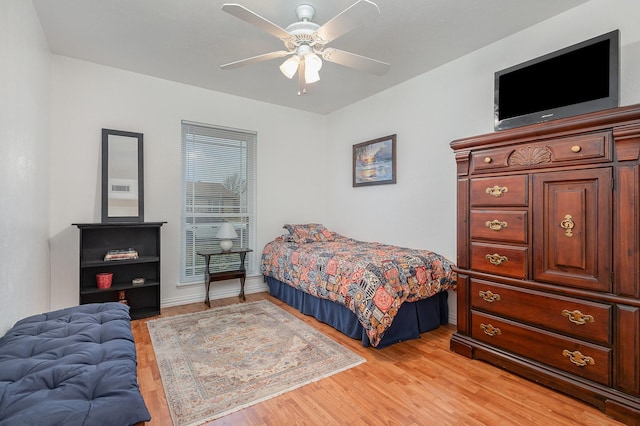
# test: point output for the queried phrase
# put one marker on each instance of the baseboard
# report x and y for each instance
(453, 307)
(217, 292)
(453, 320)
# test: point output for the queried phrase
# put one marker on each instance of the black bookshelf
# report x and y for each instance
(96, 239)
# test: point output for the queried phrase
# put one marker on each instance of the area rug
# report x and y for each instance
(218, 361)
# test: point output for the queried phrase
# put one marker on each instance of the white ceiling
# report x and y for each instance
(187, 41)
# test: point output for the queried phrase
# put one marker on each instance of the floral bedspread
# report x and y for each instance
(370, 279)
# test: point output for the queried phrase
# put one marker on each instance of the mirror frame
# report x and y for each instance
(136, 138)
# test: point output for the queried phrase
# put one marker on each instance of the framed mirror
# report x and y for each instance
(122, 176)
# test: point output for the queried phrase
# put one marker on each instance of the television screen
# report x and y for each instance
(575, 80)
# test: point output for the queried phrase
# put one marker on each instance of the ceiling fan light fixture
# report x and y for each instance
(313, 61)
(290, 66)
(311, 76)
(312, 65)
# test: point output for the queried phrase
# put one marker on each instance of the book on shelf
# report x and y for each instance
(121, 254)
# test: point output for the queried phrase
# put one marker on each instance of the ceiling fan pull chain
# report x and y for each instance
(302, 87)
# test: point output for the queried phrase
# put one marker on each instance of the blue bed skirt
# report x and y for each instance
(412, 319)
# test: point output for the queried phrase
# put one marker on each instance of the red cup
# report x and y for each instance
(103, 280)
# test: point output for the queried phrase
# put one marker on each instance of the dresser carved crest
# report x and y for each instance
(530, 155)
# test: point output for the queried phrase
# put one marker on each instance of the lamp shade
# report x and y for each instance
(313, 61)
(311, 76)
(312, 65)
(226, 232)
(290, 66)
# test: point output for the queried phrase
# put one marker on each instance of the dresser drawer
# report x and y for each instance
(499, 225)
(576, 357)
(500, 191)
(579, 318)
(581, 148)
(589, 148)
(509, 261)
(490, 159)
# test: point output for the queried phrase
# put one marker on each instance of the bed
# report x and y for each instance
(378, 293)
(75, 366)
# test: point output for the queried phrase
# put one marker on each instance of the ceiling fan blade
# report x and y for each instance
(254, 59)
(353, 60)
(252, 18)
(348, 19)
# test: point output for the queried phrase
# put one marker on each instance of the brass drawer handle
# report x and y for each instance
(487, 160)
(497, 191)
(495, 224)
(577, 317)
(576, 148)
(490, 330)
(577, 358)
(496, 259)
(489, 296)
(567, 224)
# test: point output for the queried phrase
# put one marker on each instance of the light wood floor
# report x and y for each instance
(418, 382)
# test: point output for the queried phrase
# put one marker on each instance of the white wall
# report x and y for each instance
(88, 97)
(451, 102)
(24, 146)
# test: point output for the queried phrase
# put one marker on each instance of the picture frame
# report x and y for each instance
(374, 162)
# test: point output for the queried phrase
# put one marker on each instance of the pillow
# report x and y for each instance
(309, 233)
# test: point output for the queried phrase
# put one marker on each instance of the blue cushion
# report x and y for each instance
(74, 366)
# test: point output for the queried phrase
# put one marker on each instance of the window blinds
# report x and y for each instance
(219, 185)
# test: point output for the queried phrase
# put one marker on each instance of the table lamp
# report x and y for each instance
(226, 232)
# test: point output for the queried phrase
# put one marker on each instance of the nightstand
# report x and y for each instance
(210, 277)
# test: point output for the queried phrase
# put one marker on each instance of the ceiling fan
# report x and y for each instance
(306, 41)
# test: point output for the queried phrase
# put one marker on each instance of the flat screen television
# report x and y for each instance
(575, 80)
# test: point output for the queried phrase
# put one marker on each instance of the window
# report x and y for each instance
(219, 175)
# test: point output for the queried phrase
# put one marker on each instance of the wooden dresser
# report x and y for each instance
(548, 255)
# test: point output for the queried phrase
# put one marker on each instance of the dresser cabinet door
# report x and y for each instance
(572, 228)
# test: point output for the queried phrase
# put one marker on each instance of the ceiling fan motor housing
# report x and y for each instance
(305, 12)
(303, 32)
